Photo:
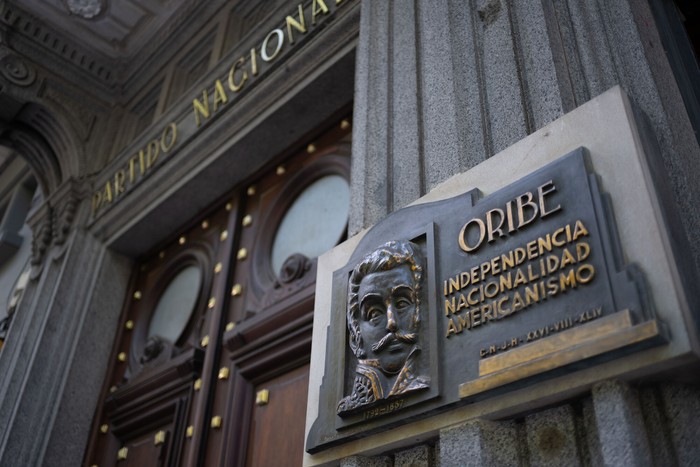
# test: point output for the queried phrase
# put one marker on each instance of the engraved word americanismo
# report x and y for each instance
(449, 302)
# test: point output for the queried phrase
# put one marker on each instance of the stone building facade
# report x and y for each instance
(140, 140)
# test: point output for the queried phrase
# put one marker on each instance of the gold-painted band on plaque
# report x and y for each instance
(554, 343)
(588, 340)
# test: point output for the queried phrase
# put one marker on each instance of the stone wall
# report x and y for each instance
(616, 424)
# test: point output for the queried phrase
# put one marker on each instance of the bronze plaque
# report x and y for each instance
(445, 303)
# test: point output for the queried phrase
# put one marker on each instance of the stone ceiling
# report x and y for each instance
(113, 28)
(102, 44)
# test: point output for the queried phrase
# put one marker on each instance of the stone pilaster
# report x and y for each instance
(56, 351)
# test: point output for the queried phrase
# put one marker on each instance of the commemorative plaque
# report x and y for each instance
(445, 303)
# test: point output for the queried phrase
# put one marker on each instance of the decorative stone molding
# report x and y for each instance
(297, 273)
(15, 69)
(86, 9)
(40, 223)
(64, 206)
(63, 217)
(28, 27)
(52, 223)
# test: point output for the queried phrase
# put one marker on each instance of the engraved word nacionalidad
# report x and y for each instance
(546, 267)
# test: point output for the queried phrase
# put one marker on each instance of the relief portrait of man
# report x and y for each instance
(383, 319)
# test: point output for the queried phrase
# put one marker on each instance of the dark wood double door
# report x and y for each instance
(210, 364)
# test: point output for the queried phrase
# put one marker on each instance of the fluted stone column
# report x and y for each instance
(405, 132)
(441, 86)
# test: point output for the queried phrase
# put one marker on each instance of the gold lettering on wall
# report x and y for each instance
(201, 107)
(168, 138)
(145, 159)
(232, 84)
(265, 45)
(299, 25)
(247, 66)
(211, 100)
(318, 7)
(220, 96)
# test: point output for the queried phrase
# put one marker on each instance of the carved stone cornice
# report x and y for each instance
(106, 73)
(30, 37)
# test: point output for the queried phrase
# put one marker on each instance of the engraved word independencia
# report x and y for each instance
(512, 281)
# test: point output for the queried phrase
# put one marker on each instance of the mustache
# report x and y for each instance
(407, 337)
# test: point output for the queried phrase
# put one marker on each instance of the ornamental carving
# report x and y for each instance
(62, 220)
(41, 240)
(156, 352)
(293, 268)
(86, 9)
(16, 70)
(297, 272)
(153, 348)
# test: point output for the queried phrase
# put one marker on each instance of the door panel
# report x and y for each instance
(147, 450)
(276, 434)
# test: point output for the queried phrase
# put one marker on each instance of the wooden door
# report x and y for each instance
(276, 436)
(182, 390)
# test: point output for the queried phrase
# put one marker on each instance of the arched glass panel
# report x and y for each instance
(176, 305)
(315, 222)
